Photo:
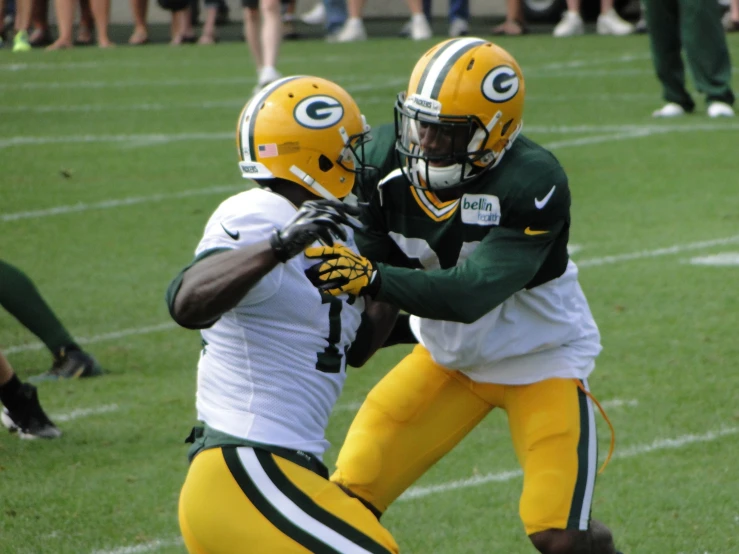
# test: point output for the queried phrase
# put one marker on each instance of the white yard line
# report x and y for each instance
(413, 493)
(238, 102)
(117, 203)
(609, 133)
(158, 83)
(588, 262)
(149, 138)
(151, 546)
(598, 139)
(676, 249)
(626, 452)
(84, 412)
(97, 338)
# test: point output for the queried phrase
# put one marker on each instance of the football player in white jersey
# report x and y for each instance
(275, 349)
(468, 233)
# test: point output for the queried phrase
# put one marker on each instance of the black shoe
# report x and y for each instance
(71, 364)
(30, 421)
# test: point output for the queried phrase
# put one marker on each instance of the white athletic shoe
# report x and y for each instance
(669, 110)
(458, 27)
(267, 75)
(420, 28)
(316, 16)
(405, 30)
(570, 25)
(720, 109)
(610, 23)
(352, 31)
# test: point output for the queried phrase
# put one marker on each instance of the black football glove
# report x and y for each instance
(341, 270)
(316, 220)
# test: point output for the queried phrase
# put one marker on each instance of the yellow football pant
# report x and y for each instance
(420, 410)
(242, 499)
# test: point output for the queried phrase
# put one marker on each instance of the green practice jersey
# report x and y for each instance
(508, 232)
(486, 277)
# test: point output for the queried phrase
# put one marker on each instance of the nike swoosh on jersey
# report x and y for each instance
(533, 232)
(543, 202)
(233, 235)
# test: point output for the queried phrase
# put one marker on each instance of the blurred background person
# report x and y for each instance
(514, 21)
(331, 13)
(459, 16)
(208, 32)
(181, 27)
(353, 29)
(263, 39)
(731, 17)
(677, 25)
(21, 22)
(609, 22)
(289, 32)
(140, 34)
(39, 34)
(65, 11)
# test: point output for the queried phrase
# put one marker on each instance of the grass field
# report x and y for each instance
(111, 163)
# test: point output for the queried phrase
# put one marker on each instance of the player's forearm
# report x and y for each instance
(455, 294)
(373, 333)
(217, 283)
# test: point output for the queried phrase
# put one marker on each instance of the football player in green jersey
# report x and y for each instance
(466, 229)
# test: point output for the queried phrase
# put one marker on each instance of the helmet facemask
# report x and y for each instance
(461, 137)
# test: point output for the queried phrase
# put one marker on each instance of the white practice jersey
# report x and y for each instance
(539, 333)
(272, 368)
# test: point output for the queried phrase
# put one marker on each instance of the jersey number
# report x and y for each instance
(329, 361)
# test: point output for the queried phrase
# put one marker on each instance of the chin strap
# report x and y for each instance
(312, 183)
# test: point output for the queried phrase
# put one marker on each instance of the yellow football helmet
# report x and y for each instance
(462, 110)
(306, 130)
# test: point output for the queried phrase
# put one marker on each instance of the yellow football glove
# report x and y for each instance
(342, 271)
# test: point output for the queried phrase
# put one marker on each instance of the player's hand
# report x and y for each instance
(340, 270)
(316, 220)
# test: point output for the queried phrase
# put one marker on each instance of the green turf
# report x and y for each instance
(155, 126)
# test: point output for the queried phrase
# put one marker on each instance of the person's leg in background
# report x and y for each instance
(459, 17)
(335, 15)
(513, 24)
(140, 33)
(22, 23)
(21, 299)
(251, 34)
(208, 34)
(2, 22)
(182, 28)
(64, 23)
(39, 34)
(271, 37)
(22, 412)
(610, 23)
(571, 23)
(264, 41)
(663, 22)
(420, 28)
(101, 15)
(353, 29)
(288, 20)
(731, 20)
(707, 55)
(87, 24)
